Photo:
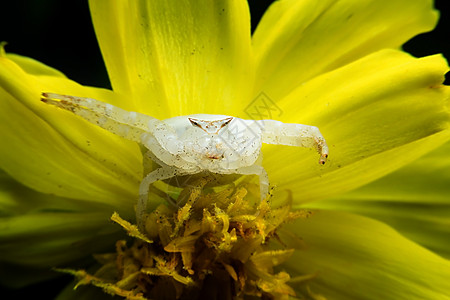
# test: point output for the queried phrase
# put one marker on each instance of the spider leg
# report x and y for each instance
(259, 170)
(129, 125)
(276, 132)
(161, 173)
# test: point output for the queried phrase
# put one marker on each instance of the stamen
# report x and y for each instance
(204, 249)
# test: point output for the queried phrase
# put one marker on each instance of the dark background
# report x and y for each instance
(59, 34)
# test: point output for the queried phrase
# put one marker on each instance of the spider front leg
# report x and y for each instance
(276, 132)
(129, 125)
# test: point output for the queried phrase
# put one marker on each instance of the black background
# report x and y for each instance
(59, 34)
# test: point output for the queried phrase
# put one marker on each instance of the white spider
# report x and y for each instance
(196, 143)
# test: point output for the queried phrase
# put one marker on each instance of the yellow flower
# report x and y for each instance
(332, 64)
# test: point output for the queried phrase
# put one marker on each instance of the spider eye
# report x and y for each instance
(194, 122)
(226, 122)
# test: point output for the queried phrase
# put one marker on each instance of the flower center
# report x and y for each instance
(214, 245)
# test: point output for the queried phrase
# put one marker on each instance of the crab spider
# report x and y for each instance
(194, 144)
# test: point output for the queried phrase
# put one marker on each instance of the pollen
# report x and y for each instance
(215, 245)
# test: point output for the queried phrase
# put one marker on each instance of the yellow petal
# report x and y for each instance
(17, 199)
(415, 200)
(358, 258)
(176, 57)
(47, 239)
(39, 232)
(32, 66)
(298, 40)
(377, 114)
(39, 241)
(55, 152)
